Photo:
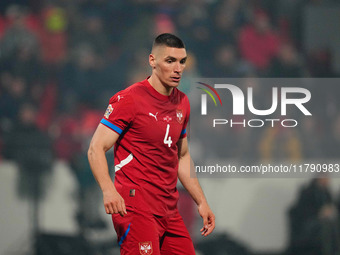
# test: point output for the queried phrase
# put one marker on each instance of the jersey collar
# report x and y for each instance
(155, 93)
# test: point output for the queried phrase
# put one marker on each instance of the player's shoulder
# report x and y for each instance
(181, 96)
(129, 93)
(137, 88)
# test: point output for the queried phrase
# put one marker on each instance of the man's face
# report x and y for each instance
(168, 64)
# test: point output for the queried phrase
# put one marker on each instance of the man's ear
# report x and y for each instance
(152, 61)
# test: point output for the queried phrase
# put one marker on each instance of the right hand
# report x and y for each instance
(208, 219)
(114, 203)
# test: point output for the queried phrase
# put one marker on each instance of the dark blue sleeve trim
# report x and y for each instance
(110, 125)
(124, 236)
(183, 131)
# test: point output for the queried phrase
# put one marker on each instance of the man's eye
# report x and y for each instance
(183, 62)
(169, 61)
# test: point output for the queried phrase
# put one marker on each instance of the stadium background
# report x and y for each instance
(61, 61)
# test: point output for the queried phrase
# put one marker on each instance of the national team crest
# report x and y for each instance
(145, 248)
(179, 116)
(108, 111)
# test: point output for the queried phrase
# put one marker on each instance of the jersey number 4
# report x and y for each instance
(167, 138)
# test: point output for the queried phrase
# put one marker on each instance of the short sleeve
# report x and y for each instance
(187, 116)
(119, 113)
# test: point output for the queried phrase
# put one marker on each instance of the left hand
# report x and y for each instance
(208, 219)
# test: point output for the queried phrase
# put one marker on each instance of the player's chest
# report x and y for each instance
(159, 125)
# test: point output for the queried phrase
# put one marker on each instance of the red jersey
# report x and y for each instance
(146, 154)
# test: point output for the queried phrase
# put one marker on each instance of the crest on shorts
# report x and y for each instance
(179, 116)
(108, 111)
(145, 248)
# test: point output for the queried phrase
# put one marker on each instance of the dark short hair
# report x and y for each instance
(168, 40)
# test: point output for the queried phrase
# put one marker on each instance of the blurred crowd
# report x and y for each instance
(314, 220)
(61, 61)
(65, 59)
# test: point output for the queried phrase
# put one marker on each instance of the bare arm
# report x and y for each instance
(102, 140)
(187, 176)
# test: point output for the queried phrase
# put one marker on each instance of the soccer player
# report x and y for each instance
(146, 123)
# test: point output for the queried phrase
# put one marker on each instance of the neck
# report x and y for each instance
(159, 86)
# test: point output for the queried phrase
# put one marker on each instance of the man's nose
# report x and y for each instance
(178, 68)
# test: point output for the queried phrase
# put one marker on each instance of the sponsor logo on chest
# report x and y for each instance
(167, 118)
